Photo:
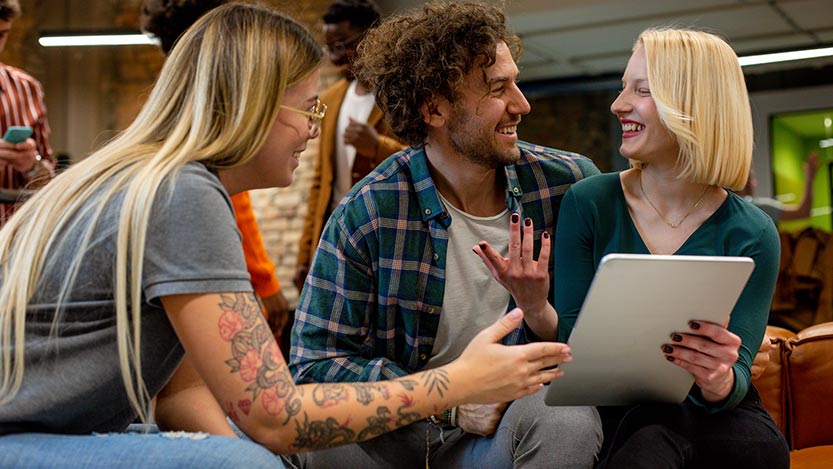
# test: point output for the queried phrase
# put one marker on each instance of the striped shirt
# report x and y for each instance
(371, 304)
(21, 103)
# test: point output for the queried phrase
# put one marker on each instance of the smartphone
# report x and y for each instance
(17, 134)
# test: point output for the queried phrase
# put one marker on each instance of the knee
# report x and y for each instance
(579, 428)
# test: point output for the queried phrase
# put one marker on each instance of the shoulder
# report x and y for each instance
(19, 75)
(600, 185)
(393, 178)
(195, 189)
(569, 165)
(744, 220)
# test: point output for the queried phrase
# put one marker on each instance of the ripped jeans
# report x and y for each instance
(138, 446)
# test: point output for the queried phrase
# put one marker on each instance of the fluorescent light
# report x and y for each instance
(784, 56)
(826, 143)
(827, 122)
(96, 40)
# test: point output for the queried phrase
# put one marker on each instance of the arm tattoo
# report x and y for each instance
(364, 391)
(436, 379)
(256, 357)
(321, 434)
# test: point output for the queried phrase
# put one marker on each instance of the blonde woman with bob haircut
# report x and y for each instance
(687, 131)
(131, 258)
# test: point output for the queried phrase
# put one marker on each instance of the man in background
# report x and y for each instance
(28, 163)
(167, 20)
(354, 135)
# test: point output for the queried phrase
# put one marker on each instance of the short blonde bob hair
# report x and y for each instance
(701, 97)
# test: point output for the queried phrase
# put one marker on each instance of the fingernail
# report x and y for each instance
(669, 358)
(694, 325)
(473, 250)
(567, 359)
(667, 349)
(482, 246)
(527, 222)
(514, 314)
(546, 235)
(676, 337)
(515, 218)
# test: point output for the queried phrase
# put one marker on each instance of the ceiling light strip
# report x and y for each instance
(96, 40)
(785, 56)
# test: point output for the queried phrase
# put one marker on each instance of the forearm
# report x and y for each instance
(333, 414)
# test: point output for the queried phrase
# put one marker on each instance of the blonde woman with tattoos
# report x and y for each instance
(131, 258)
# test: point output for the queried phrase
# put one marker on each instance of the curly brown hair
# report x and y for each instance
(410, 60)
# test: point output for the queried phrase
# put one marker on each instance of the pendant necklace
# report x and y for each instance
(666, 219)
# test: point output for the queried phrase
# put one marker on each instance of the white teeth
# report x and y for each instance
(632, 127)
(508, 130)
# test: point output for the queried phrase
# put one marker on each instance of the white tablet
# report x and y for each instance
(634, 304)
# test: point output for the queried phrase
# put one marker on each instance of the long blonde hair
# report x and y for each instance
(700, 94)
(215, 102)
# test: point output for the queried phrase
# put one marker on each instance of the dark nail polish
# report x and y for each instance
(671, 359)
(694, 325)
(546, 235)
(482, 246)
(676, 337)
(527, 222)
(667, 349)
(515, 218)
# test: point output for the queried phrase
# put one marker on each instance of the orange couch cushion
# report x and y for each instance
(810, 388)
(817, 457)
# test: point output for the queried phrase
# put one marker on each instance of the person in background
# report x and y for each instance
(775, 209)
(166, 21)
(28, 164)
(131, 258)
(354, 135)
(394, 287)
(687, 131)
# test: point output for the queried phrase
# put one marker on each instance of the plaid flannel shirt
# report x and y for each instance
(371, 304)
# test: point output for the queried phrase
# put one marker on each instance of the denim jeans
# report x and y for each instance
(139, 446)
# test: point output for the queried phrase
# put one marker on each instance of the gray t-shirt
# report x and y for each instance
(72, 380)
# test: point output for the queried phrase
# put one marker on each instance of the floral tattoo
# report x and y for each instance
(256, 357)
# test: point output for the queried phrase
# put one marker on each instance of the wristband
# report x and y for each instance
(453, 420)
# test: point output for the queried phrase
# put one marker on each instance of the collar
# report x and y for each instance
(428, 197)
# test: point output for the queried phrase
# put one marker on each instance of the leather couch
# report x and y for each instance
(797, 390)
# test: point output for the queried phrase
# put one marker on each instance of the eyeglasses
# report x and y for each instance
(340, 47)
(315, 114)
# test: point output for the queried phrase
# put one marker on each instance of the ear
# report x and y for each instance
(435, 114)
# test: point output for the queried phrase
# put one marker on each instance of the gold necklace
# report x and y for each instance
(666, 219)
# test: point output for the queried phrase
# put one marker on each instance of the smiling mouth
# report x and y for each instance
(508, 130)
(632, 127)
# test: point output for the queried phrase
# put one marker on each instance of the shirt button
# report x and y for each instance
(423, 356)
(428, 211)
(431, 310)
(516, 190)
(436, 256)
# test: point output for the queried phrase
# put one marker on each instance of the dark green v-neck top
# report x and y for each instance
(594, 221)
